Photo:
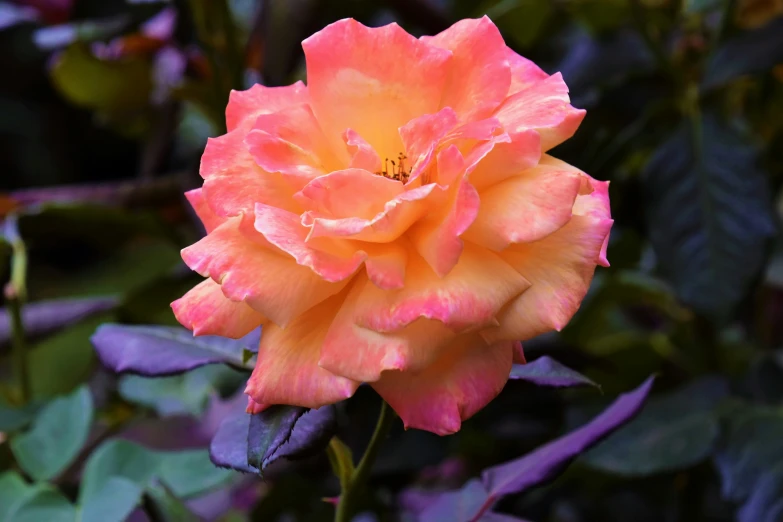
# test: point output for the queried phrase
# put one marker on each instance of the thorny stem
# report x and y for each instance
(352, 491)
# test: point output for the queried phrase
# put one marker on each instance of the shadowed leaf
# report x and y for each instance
(546, 371)
(161, 350)
(709, 213)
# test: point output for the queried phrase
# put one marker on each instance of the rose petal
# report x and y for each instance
(525, 208)
(386, 264)
(386, 226)
(544, 106)
(480, 74)
(254, 407)
(421, 136)
(287, 370)
(334, 262)
(233, 182)
(363, 156)
(507, 159)
(206, 311)
(560, 268)
(196, 199)
(291, 142)
(524, 73)
(245, 106)
(593, 198)
(267, 280)
(468, 297)
(462, 381)
(361, 353)
(437, 237)
(372, 80)
(349, 193)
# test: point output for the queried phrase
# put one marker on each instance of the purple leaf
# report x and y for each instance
(547, 461)
(269, 430)
(44, 317)
(11, 15)
(499, 517)
(228, 448)
(250, 443)
(163, 350)
(288, 432)
(472, 502)
(460, 505)
(546, 371)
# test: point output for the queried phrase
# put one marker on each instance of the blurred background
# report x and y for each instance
(105, 108)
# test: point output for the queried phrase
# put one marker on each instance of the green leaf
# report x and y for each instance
(341, 460)
(673, 432)
(185, 473)
(168, 508)
(191, 473)
(521, 20)
(13, 418)
(101, 225)
(107, 85)
(700, 6)
(600, 15)
(63, 361)
(114, 502)
(14, 492)
(187, 393)
(117, 458)
(708, 212)
(126, 269)
(45, 505)
(57, 434)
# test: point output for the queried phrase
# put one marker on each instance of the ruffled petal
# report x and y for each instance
(524, 73)
(467, 298)
(467, 376)
(386, 264)
(405, 329)
(333, 261)
(349, 193)
(372, 80)
(560, 268)
(437, 237)
(507, 159)
(480, 74)
(386, 226)
(593, 200)
(287, 370)
(363, 156)
(234, 183)
(291, 142)
(525, 208)
(196, 199)
(245, 106)
(206, 311)
(544, 107)
(265, 278)
(361, 353)
(421, 136)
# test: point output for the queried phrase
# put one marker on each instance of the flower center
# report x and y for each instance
(398, 169)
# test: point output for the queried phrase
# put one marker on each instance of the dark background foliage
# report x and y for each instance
(105, 106)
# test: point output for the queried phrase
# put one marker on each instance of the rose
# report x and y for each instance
(418, 273)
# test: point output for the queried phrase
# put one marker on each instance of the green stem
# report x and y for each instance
(15, 294)
(19, 348)
(352, 491)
